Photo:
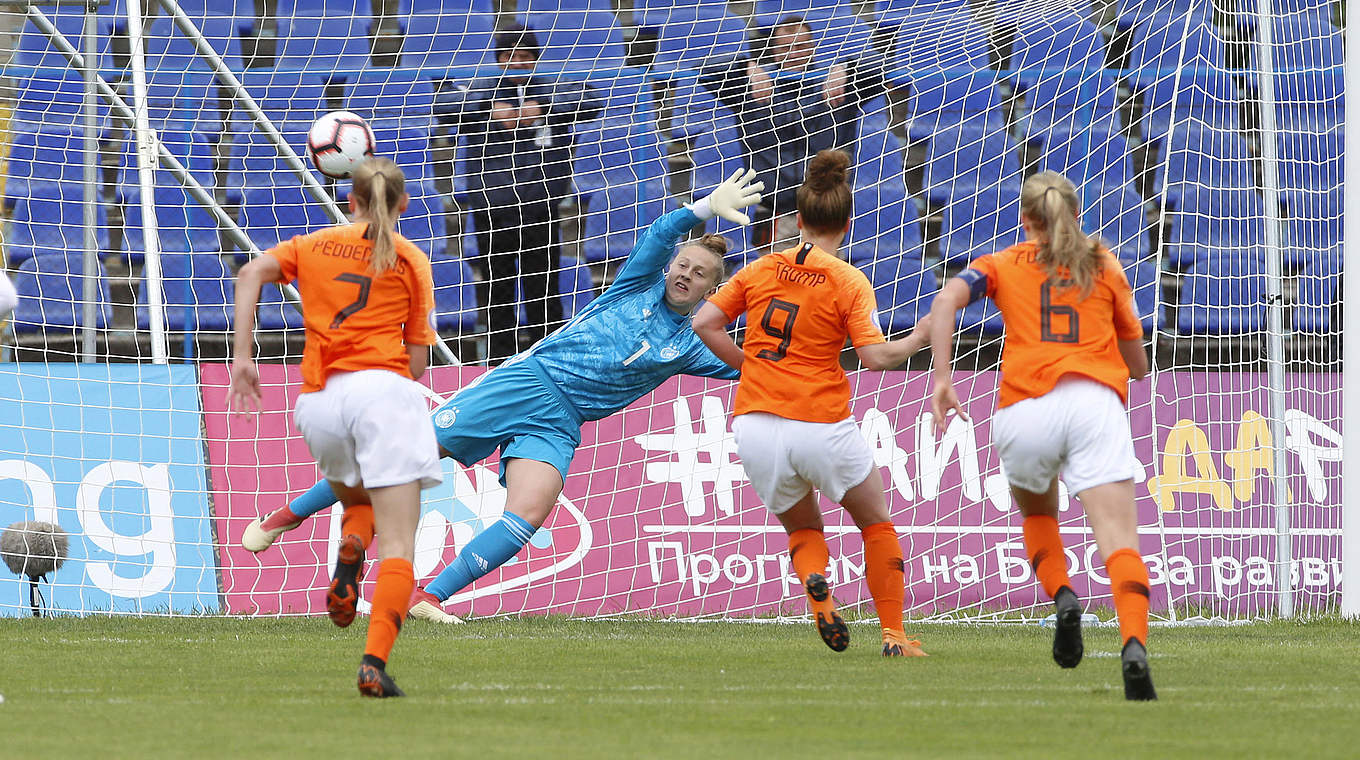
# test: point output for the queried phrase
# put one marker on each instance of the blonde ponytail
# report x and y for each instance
(378, 188)
(1050, 203)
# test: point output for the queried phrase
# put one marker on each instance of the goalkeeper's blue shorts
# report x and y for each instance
(513, 408)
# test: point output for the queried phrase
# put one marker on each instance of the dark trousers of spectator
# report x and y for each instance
(516, 245)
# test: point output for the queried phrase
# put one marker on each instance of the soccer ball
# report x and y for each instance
(338, 142)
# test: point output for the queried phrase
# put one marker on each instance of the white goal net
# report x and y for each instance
(147, 161)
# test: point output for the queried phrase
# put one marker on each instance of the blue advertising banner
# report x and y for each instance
(114, 455)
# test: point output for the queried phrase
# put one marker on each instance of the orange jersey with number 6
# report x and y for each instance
(801, 304)
(1051, 330)
(354, 319)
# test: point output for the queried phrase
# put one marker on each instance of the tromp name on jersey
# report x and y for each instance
(799, 276)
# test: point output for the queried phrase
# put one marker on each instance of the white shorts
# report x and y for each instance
(1079, 429)
(784, 459)
(371, 427)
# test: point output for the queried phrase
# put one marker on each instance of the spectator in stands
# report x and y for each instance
(519, 151)
(787, 113)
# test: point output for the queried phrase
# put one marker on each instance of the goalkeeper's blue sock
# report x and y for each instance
(486, 551)
(315, 499)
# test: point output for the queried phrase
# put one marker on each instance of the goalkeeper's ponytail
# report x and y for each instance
(378, 189)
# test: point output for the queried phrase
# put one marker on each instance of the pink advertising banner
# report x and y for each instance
(657, 517)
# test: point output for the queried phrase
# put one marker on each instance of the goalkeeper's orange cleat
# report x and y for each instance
(427, 606)
(342, 598)
(262, 533)
(896, 644)
(829, 624)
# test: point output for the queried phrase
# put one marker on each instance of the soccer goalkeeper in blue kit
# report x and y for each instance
(616, 350)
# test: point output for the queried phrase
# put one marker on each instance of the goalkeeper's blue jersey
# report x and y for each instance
(628, 341)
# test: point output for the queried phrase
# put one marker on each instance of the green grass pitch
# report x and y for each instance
(144, 688)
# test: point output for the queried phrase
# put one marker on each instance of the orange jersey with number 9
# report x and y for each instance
(354, 319)
(1051, 330)
(801, 305)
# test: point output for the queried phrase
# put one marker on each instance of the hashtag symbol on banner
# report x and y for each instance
(704, 456)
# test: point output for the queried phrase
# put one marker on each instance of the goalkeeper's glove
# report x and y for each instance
(729, 198)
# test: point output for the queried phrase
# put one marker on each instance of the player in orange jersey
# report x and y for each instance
(792, 417)
(1073, 341)
(367, 303)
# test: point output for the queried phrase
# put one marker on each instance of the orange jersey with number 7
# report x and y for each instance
(1051, 330)
(801, 305)
(356, 320)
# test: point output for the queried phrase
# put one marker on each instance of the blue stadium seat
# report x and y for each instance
(244, 10)
(1048, 42)
(578, 40)
(392, 98)
(1146, 281)
(1210, 224)
(168, 49)
(936, 39)
(184, 100)
(1309, 161)
(903, 288)
(693, 36)
(450, 7)
(50, 101)
(1196, 156)
(963, 161)
(1190, 96)
(618, 215)
(1060, 104)
(52, 225)
(979, 225)
(1309, 100)
(1314, 224)
(621, 146)
(1164, 45)
(335, 44)
(46, 165)
(182, 223)
(1305, 40)
(455, 298)
(936, 102)
(716, 153)
(331, 8)
(770, 12)
(425, 224)
(51, 291)
(271, 214)
(459, 36)
(1096, 162)
(198, 293)
(885, 222)
(575, 287)
(981, 317)
(290, 99)
(894, 11)
(1130, 13)
(552, 6)
(275, 313)
(1224, 295)
(35, 49)
(1319, 283)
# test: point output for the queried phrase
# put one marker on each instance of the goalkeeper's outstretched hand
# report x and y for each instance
(736, 193)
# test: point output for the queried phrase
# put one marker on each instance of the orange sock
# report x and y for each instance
(391, 597)
(884, 574)
(358, 520)
(1129, 582)
(1044, 546)
(807, 550)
